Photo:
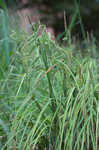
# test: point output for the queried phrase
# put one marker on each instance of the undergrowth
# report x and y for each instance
(49, 96)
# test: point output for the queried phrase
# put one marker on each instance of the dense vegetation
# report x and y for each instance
(49, 94)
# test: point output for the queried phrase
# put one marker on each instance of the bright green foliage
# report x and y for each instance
(49, 98)
(2, 4)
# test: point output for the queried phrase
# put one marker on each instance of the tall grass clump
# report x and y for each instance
(49, 98)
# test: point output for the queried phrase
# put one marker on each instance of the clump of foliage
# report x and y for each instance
(49, 96)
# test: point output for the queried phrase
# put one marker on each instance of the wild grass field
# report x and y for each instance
(49, 93)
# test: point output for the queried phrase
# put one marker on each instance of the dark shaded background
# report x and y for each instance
(53, 13)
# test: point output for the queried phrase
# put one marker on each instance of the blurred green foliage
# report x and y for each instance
(2, 4)
(89, 11)
(54, 9)
(4, 49)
